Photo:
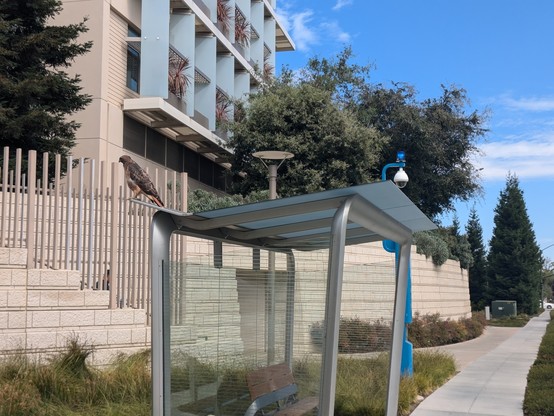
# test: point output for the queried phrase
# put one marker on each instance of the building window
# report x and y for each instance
(133, 62)
(175, 156)
(134, 136)
(155, 146)
(191, 163)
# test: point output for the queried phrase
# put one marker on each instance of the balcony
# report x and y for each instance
(169, 120)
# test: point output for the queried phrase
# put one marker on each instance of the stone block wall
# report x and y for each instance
(206, 313)
(443, 289)
(217, 311)
(369, 284)
(40, 310)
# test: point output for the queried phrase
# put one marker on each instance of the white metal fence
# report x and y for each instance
(84, 221)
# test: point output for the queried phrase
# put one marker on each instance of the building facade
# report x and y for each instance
(164, 77)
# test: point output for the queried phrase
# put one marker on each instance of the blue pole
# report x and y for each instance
(407, 363)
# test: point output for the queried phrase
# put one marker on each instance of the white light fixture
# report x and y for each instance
(273, 155)
(270, 155)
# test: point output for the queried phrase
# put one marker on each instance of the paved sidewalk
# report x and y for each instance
(493, 373)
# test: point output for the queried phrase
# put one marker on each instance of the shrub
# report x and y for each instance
(510, 321)
(432, 245)
(73, 360)
(546, 349)
(201, 200)
(431, 331)
(432, 369)
(540, 383)
(127, 378)
(357, 335)
(68, 378)
(18, 397)
(355, 379)
(362, 383)
(14, 366)
(123, 389)
(66, 385)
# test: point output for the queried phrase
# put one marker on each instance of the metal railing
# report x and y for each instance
(84, 221)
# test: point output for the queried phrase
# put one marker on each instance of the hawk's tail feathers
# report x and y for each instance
(156, 201)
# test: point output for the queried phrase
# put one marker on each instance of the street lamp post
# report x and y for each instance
(542, 249)
(401, 180)
(271, 156)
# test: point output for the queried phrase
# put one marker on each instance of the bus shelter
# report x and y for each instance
(331, 219)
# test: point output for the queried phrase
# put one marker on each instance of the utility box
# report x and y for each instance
(503, 308)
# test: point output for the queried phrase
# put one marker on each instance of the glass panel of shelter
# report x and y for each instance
(220, 318)
(223, 320)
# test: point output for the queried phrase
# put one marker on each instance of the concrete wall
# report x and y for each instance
(216, 312)
(443, 289)
(368, 292)
(40, 310)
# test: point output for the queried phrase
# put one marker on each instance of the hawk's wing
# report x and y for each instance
(139, 176)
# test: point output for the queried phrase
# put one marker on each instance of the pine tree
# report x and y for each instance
(458, 245)
(514, 260)
(36, 95)
(478, 279)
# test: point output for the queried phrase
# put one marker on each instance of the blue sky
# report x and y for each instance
(500, 51)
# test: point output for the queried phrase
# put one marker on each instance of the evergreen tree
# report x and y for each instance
(514, 260)
(458, 245)
(36, 95)
(478, 279)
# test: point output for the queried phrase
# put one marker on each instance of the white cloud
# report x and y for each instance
(523, 138)
(309, 28)
(342, 3)
(333, 31)
(533, 104)
(525, 158)
(304, 36)
(283, 16)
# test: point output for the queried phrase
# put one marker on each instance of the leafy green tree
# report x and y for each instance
(439, 139)
(36, 95)
(478, 279)
(345, 80)
(201, 200)
(295, 114)
(331, 148)
(514, 260)
(439, 135)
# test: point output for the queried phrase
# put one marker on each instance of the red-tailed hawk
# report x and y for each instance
(139, 182)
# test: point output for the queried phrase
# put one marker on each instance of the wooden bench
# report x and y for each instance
(275, 386)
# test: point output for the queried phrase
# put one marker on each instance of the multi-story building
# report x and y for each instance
(164, 75)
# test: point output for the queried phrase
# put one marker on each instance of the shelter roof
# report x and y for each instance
(304, 222)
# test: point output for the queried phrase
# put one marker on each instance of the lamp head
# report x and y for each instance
(401, 178)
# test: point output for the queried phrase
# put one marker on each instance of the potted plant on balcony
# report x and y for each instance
(242, 28)
(223, 112)
(223, 105)
(268, 70)
(224, 16)
(178, 80)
